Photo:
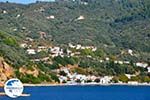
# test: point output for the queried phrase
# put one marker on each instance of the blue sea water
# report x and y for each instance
(85, 93)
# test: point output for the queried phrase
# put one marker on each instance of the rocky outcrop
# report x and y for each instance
(34, 71)
(6, 71)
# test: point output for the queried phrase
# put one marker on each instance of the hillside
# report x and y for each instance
(116, 23)
(105, 37)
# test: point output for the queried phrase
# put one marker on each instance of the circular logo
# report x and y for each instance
(13, 88)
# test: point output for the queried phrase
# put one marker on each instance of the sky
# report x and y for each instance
(24, 1)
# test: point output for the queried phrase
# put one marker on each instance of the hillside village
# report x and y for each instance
(55, 51)
(65, 73)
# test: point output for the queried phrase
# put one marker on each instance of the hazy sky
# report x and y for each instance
(23, 1)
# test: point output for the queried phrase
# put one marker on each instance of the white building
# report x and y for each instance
(84, 3)
(4, 11)
(29, 39)
(148, 68)
(130, 52)
(41, 48)
(129, 75)
(78, 46)
(56, 51)
(65, 70)
(50, 17)
(71, 45)
(133, 82)
(101, 61)
(18, 16)
(107, 59)
(141, 64)
(106, 79)
(62, 79)
(80, 18)
(23, 45)
(69, 52)
(31, 51)
(126, 62)
(120, 62)
(94, 48)
(72, 54)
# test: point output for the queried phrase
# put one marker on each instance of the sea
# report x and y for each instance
(84, 93)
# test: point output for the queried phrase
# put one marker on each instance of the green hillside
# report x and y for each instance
(113, 26)
(116, 23)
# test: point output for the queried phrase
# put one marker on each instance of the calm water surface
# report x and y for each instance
(85, 93)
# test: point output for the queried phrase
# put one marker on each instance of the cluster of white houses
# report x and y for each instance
(75, 78)
(55, 51)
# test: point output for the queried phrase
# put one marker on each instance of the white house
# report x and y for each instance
(69, 52)
(106, 79)
(15, 29)
(129, 75)
(130, 52)
(84, 3)
(94, 48)
(71, 45)
(141, 64)
(4, 11)
(133, 82)
(50, 17)
(107, 59)
(29, 39)
(80, 18)
(120, 62)
(56, 51)
(63, 78)
(23, 45)
(41, 48)
(18, 16)
(78, 46)
(31, 51)
(148, 68)
(126, 62)
(101, 61)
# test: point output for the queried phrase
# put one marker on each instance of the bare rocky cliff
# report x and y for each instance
(6, 71)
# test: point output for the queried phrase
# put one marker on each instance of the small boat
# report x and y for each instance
(23, 95)
(2, 94)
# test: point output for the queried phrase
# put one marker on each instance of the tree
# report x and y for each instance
(54, 77)
(135, 78)
(146, 79)
(99, 53)
(123, 78)
(62, 73)
(97, 80)
(115, 79)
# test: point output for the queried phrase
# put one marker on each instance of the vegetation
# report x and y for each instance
(123, 78)
(121, 26)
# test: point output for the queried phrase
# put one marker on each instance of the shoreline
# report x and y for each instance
(87, 84)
